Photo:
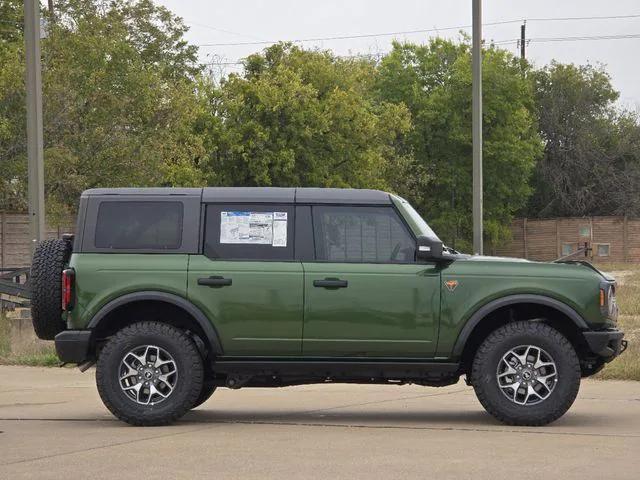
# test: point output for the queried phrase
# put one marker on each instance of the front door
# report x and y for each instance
(365, 296)
(247, 282)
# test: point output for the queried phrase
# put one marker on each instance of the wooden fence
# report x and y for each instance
(15, 248)
(611, 239)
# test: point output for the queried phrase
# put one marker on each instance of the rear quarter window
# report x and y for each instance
(144, 225)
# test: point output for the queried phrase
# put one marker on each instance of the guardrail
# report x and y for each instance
(586, 251)
(14, 285)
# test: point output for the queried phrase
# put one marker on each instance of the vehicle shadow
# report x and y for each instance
(440, 420)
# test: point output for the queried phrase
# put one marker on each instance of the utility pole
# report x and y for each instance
(476, 127)
(522, 40)
(34, 121)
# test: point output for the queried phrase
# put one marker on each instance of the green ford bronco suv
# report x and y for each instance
(175, 292)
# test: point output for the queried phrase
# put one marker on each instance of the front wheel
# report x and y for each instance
(149, 373)
(207, 390)
(526, 373)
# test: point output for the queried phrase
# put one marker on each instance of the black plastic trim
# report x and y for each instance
(304, 246)
(72, 346)
(483, 311)
(605, 343)
(384, 368)
(207, 327)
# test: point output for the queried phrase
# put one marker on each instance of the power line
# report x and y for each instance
(430, 30)
(348, 37)
(378, 56)
(578, 39)
(563, 19)
(570, 39)
(230, 32)
(375, 56)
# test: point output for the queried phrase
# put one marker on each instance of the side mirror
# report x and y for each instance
(428, 248)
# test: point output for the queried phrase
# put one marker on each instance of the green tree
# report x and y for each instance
(121, 103)
(434, 81)
(591, 162)
(12, 101)
(306, 118)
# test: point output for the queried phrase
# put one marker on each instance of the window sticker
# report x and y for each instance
(257, 228)
(279, 229)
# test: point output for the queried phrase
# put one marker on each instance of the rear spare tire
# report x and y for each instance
(49, 260)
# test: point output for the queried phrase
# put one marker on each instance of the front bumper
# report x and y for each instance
(607, 344)
(72, 346)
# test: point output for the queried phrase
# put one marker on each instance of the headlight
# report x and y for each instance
(608, 304)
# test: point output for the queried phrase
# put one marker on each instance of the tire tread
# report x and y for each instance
(501, 335)
(46, 289)
(194, 369)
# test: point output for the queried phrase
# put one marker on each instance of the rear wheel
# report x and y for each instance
(149, 373)
(526, 373)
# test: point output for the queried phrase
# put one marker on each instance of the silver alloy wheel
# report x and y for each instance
(148, 374)
(527, 375)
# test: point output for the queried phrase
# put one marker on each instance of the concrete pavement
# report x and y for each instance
(53, 425)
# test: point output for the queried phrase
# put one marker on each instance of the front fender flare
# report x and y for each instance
(486, 309)
(202, 320)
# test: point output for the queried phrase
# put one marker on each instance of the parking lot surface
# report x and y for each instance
(53, 425)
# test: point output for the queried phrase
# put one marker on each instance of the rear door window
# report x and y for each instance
(144, 225)
(249, 232)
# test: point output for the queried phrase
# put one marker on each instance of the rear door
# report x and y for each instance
(246, 280)
(365, 295)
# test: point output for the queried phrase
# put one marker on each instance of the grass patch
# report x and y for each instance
(627, 366)
(5, 336)
(42, 359)
(40, 355)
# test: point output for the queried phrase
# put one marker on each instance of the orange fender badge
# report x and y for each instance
(451, 285)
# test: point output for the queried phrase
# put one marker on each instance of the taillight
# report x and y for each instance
(68, 276)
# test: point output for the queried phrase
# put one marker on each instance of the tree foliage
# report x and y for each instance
(119, 99)
(591, 162)
(301, 117)
(434, 81)
(127, 104)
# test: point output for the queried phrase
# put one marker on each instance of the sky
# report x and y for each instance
(241, 21)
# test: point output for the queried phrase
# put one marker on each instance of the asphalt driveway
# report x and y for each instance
(53, 425)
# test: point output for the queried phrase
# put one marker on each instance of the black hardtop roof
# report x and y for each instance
(258, 194)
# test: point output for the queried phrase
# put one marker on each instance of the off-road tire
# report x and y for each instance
(207, 390)
(497, 344)
(189, 365)
(49, 260)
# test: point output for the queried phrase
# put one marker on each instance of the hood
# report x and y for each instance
(604, 275)
(488, 258)
(519, 261)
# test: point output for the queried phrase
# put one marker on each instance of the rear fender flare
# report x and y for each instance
(207, 327)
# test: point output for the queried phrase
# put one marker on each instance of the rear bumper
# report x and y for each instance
(607, 344)
(72, 346)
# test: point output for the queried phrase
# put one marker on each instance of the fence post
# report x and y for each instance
(625, 238)
(590, 252)
(3, 232)
(558, 247)
(524, 237)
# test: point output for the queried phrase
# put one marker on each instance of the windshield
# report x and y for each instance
(417, 220)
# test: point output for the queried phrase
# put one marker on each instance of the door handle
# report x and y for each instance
(214, 281)
(331, 283)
